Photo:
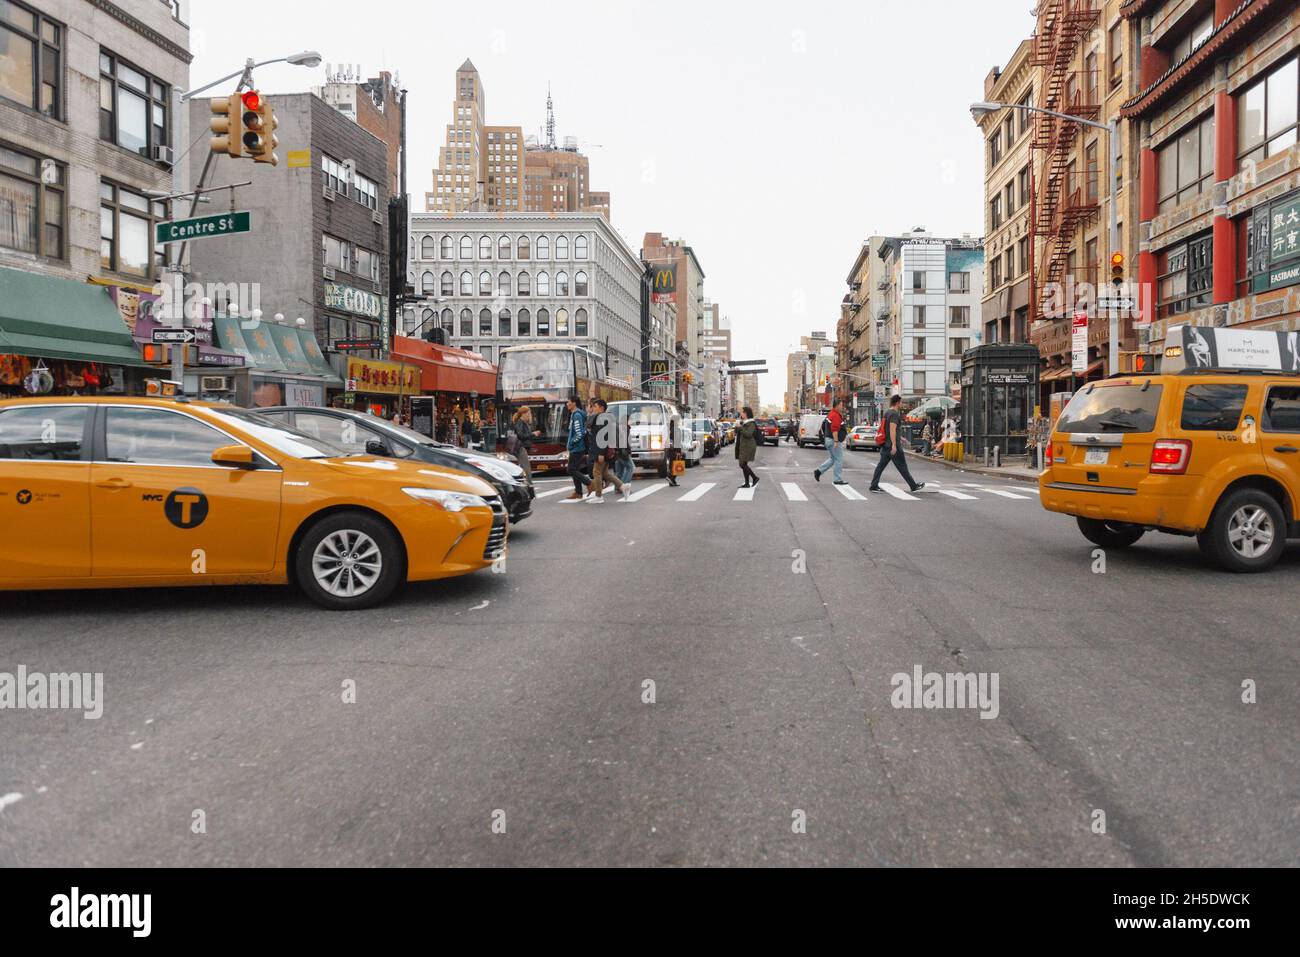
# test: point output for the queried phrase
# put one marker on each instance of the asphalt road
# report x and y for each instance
(518, 698)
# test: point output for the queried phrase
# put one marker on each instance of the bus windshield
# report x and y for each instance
(528, 371)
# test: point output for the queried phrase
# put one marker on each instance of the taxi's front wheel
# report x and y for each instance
(1110, 534)
(349, 560)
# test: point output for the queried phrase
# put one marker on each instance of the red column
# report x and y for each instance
(1223, 8)
(1148, 190)
(1152, 64)
(1225, 165)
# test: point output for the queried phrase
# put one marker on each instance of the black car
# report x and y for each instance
(374, 436)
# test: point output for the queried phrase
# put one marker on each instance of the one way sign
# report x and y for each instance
(185, 336)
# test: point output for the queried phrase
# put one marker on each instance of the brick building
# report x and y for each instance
(377, 105)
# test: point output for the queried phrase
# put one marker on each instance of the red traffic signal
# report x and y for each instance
(252, 100)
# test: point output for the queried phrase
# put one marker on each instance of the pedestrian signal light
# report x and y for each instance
(155, 354)
(1117, 269)
(225, 125)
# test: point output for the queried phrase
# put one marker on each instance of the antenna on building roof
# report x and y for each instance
(550, 120)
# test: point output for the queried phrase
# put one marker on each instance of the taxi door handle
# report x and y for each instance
(1286, 449)
(114, 484)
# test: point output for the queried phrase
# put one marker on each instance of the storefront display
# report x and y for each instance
(379, 385)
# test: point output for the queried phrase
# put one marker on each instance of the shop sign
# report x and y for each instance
(387, 378)
(1079, 343)
(1010, 378)
(356, 301)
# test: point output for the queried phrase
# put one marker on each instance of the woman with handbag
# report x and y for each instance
(747, 447)
(520, 439)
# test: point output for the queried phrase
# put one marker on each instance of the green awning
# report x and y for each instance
(316, 359)
(265, 356)
(289, 345)
(54, 318)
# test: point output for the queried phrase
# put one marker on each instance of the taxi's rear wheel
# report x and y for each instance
(1110, 534)
(349, 560)
(1247, 532)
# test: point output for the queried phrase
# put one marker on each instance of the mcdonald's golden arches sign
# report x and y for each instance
(663, 283)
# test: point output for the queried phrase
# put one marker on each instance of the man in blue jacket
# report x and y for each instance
(577, 449)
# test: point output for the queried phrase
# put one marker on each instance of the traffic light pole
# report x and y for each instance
(1113, 127)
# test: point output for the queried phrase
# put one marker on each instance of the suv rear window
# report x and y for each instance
(1115, 408)
(1213, 408)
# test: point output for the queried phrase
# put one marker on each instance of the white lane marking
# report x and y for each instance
(11, 798)
(997, 491)
(697, 493)
(960, 496)
(897, 492)
(554, 491)
(481, 607)
(793, 492)
(646, 493)
(745, 494)
(852, 494)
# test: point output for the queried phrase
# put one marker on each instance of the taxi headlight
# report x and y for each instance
(447, 501)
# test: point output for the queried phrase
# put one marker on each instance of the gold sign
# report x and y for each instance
(299, 159)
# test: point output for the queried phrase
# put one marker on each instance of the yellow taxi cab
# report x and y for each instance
(115, 493)
(1209, 446)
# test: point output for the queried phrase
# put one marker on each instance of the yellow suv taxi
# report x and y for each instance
(1210, 452)
(111, 493)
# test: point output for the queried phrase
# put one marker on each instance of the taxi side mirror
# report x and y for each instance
(236, 456)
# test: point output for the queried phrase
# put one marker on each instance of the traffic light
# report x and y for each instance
(226, 125)
(156, 354)
(688, 377)
(259, 128)
(1117, 270)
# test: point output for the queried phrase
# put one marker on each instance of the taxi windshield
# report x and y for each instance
(281, 437)
(1116, 408)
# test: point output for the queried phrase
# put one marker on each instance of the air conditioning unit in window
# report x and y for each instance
(162, 154)
(329, 272)
(214, 383)
(377, 219)
(330, 195)
(377, 287)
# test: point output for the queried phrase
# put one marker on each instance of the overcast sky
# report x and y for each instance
(773, 137)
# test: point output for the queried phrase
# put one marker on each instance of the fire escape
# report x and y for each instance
(1063, 201)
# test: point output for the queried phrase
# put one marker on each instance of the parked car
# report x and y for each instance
(710, 434)
(768, 433)
(374, 436)
(863, 437)
(810, 429)
(139, 493)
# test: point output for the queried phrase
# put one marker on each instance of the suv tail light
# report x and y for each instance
(1047, 455)
(1171, 456)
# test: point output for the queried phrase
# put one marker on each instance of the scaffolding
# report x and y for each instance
(1063, 200)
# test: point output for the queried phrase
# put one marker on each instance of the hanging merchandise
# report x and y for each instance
(91, 375)
(39, 381)
(13, 369)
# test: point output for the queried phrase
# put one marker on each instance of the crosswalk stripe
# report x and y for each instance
(793, 492)
(697, 493)
(999, 492)
(897, 492)
(852, 494)
(745, 494)
(646, 492)
(960, 496)
(554, 491)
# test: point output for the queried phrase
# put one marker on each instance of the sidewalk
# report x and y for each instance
(1016, 473)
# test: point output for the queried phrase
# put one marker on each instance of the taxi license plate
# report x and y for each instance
(1096, 456)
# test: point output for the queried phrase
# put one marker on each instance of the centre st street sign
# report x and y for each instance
(204, 227)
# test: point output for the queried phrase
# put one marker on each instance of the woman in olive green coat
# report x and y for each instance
(747, 447)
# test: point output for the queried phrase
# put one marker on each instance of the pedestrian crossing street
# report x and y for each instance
(797, 493)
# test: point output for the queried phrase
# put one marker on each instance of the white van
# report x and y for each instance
(652, 428)
(810, 429)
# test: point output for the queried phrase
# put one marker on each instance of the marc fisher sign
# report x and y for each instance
(663, 283)
(353, 300)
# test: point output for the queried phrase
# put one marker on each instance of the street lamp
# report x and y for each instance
(980, 110)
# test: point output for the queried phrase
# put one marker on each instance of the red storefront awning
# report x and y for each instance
(444, 369)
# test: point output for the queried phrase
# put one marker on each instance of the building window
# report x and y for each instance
(126, 232)
(995, 272)
(995, 212)
(428, 284)
(1026, 116)
(562, 247)
(543, 322)
(1198, 33)
(1009, 260)
(485, 322)
(958, 348)
(959, 282)
(485, 283)
(503, 323)
(918, 383)
(503, 284)
(336, 178)
(466, 283)
(426, 248)
(918, 317)
(335, 253)
(1115, 40)
(466, 323)
(580, 284)
(580, 247)
(1009, 198)
(918, 347)
(580, 323)
(1267, 112)
(995, 149)
(1093, 172)
(1186, 164)
(1187, 280)
(31, 61)
(543, 290)
(562, 284)
(445, 244)
(525, 285)
(561, 322)
(447, 321)
(522, 250)
(959, 317)
(543, 248)
(447, 286)
(132, 106)
(503, 247)
(1091, 79)
(366, 192)
(466, 248)
(1022, 186)
(525, 323)
(918, 282)
(1022, 253)
(31, 204)
(485, 247)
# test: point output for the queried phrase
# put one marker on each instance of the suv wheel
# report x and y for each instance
(1247, 532)
(1110, 534)
(349, 561)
